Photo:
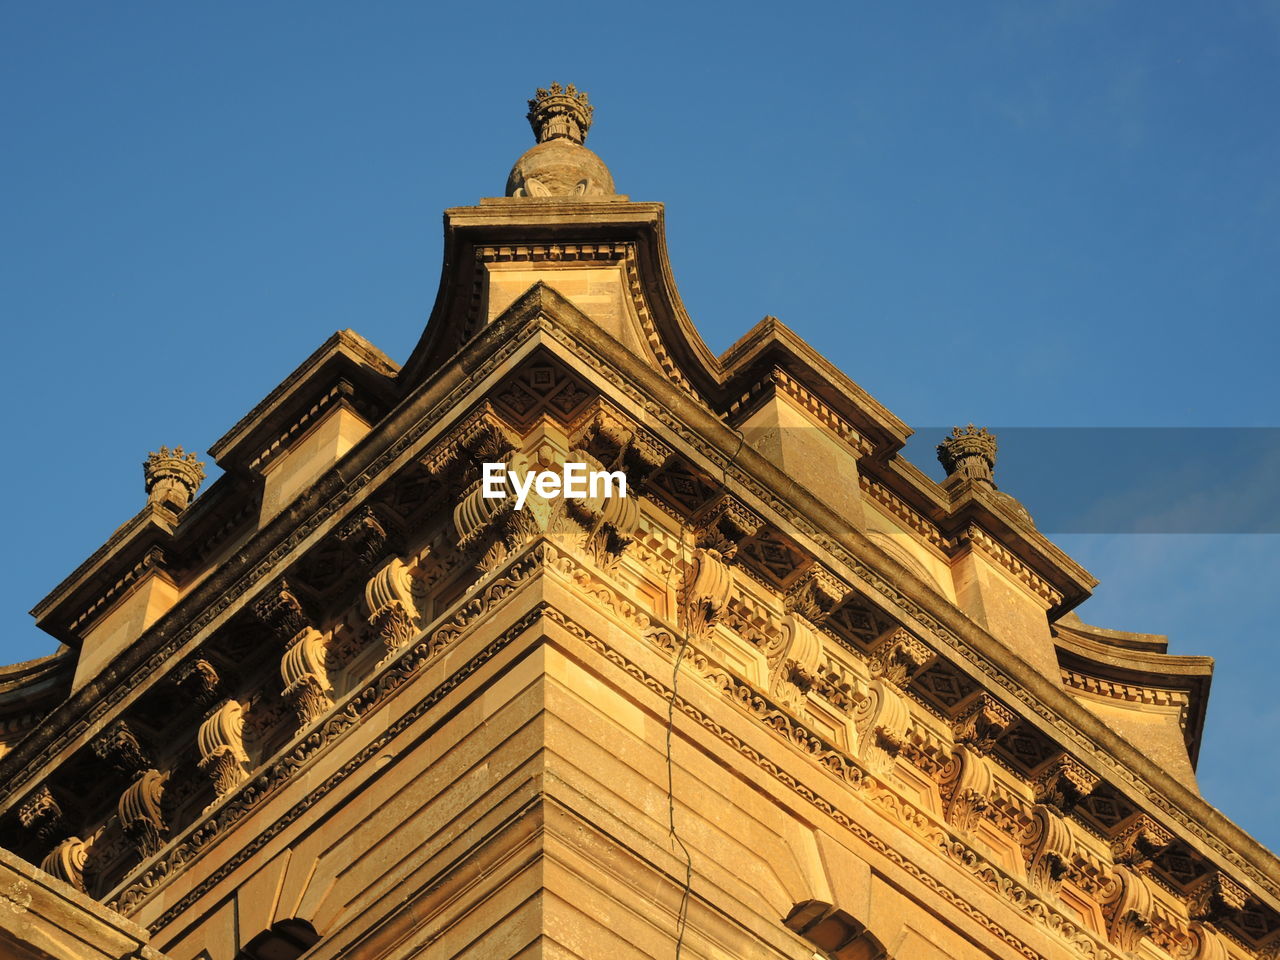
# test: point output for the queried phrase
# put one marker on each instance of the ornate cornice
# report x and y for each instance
(332, 496)
(776, 378)
(899, 508)
(976, 536)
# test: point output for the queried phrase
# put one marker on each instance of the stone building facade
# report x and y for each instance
(788, 698)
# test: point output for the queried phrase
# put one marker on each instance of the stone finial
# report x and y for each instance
(173, 477)
(560, 112)
(969, 454)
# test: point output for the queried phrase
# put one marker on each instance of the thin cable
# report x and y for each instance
(682, 624)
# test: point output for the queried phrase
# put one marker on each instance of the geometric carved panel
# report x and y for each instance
(541, 385)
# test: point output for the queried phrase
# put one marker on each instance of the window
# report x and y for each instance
(286, 940)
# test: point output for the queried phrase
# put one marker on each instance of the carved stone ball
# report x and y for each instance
(560, 168)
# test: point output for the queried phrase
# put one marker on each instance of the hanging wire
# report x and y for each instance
(682, 624)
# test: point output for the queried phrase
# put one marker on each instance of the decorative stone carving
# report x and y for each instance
(614, 530)
(280, 611)
(1216, 898)
(881, 719)
(899, 657)
(727, 523)
(119, 747)
(982, 722)
(66, 862)
(388, 598)
(1139, 841)
(1128, 906)
(966, 784)
(1203, 943)
(816, 594)
(560, 112)
(796, 668)
(364, 534)
(1064, 783)
(969, 454)
(141, 817)
(479, 438)
(42, 815)
(1047, 849)
(710, 583)
(560, 166)
(221, 743)
(615, 437)
(199, 680)
(173, 477)
(475, 513)
(306, 682)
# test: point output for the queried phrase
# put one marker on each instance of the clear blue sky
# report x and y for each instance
(1024, 214)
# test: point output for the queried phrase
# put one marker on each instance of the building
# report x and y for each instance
(786, 698)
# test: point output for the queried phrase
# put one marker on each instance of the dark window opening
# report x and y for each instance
(286, 940)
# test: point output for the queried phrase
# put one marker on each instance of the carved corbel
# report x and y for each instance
(966, 785)
(1216, 898)
(881, 719)
(816, 594)
(306, 682)
(796, 667)
(66, 862)
(42, 815)
(617, 438)
(727, 523)
(140, 814)
(477, 519)
(280, 611)
(388, 598)
(1203, 942)
(899, 657)
(364, 534)
(610, 522)
(646, 454)
(1128, 906)
(1047, 848)
(1139, 841)
(479, 438)
(119, 747)
(199, 680)
(615, 530)
(221, 743)
(709, 584)
(1064, 783)
(981, 722)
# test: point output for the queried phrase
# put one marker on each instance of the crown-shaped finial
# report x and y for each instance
(560, 112)
(969, 453)
(173, 477)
